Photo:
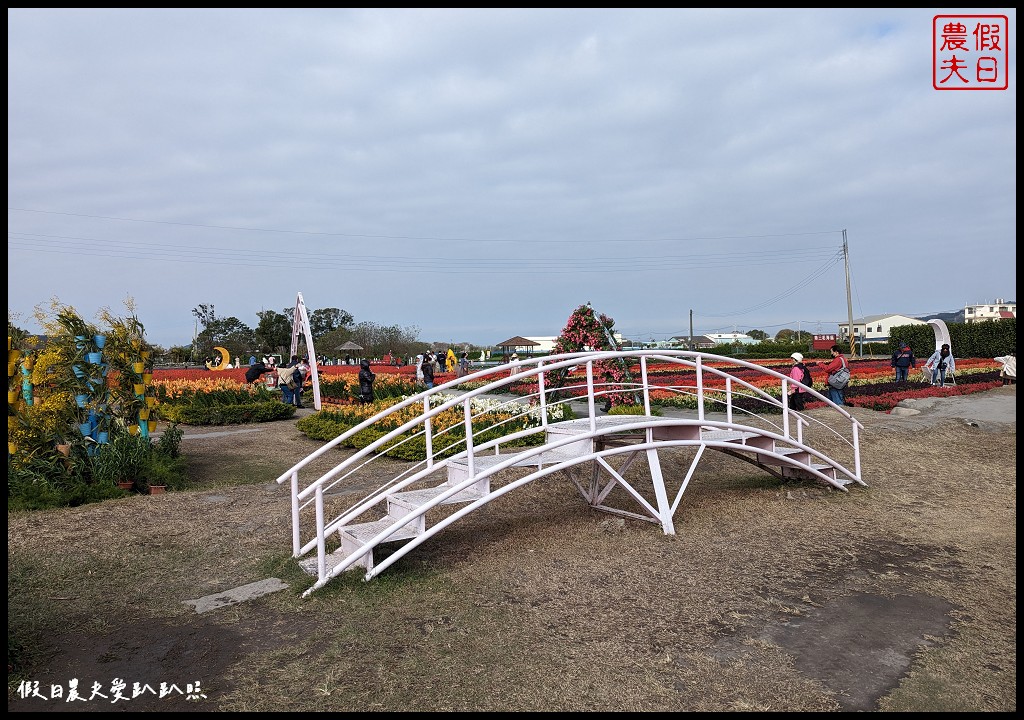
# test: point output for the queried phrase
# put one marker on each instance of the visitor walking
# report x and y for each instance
(940, 363)
(902, 360)
(301, 375)
(428, 369)
(800, 376)
(286, 381)
(836, 377)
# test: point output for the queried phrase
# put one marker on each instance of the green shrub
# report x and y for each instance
(231, 414)
(54, 481)
(632, 410)
(121, 460)
(406, 448)
(324, 425)
(169, 444)
(162, 469)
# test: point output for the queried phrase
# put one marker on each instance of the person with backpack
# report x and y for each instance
(838, 373)
(801, 377)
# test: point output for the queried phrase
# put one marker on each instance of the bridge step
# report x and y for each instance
(361, 532)
(415, 499)
(733, 436)
(400, 504)
(352, 537)
(458, 468)
(331, 561)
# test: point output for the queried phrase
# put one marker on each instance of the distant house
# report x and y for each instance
(875, 328)
(700, 342)
(545, 343)
(998, 310)
(731, 338)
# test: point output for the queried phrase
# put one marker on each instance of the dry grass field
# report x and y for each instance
(771, 596)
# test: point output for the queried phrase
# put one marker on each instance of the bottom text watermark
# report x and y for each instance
(117, 691)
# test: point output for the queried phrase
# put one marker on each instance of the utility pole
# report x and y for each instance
(849, 303)
(691, 328)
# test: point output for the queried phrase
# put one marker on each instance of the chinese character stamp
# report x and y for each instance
(970, 52)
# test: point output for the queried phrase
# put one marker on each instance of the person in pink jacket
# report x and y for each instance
(800, 376)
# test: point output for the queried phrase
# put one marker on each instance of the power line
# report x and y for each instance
(782, 296)
(245, 256)
(417, 237)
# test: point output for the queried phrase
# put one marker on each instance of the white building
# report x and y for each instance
(998, 310)
(875, 328)
(730, 338)
(700, 342)
(546, 343)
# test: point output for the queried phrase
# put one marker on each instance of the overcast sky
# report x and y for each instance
(478, 174)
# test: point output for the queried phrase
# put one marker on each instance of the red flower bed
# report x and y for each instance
(872, 387)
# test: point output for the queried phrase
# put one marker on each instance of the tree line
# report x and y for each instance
(330, 328)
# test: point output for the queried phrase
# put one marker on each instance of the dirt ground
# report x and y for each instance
(771, 596)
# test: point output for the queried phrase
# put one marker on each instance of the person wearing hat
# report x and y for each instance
(798, 373)
(512, 359)
(902, 360)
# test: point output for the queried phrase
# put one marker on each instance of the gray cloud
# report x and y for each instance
(480, 173)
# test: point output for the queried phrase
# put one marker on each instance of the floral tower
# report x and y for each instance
(587, 331)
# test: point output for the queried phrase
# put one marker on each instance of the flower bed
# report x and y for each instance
(872, 385)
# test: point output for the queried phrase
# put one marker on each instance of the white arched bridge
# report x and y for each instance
(467, 438)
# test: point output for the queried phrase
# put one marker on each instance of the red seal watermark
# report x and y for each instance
(970, 52)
